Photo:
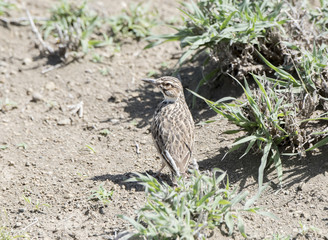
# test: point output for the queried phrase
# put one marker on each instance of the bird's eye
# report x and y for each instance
(167, 85)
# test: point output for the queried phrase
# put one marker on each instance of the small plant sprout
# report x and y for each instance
(102, 195)
(104, 132)
(36, 205)
(90, 148)
(135, 21)
(73, 27)
(3, 147)
(22, 145)
(82, 176)
(5, 6)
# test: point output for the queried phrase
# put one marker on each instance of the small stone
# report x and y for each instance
(64, 121)
(115, 121)
(29, 91)
(101, 210)
(36, 96)
(68, 196)
(27, 61)
(88, 70)
(11, 163)
(18, 224)
(50, 86)
(21, 210)
(3, 71)
(300, 187)
(3, 64)
(27, 164)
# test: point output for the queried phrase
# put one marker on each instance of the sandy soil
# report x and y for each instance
(48, 161)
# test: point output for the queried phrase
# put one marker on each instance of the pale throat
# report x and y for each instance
(170, 99)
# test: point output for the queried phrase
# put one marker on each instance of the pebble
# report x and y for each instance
(300, 187)
(3, 64)
(29, 91)
(115, 121)
(36, 96)
(50, 86)
(18, 224)
(64, 121)
(11, 163)
(21, 210)
(27, 61)
(3, 71)
(88, 70)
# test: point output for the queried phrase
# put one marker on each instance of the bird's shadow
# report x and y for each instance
(123, 179)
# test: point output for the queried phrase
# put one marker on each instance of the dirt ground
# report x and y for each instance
(47, 159)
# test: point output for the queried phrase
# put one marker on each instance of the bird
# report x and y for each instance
(173, 127)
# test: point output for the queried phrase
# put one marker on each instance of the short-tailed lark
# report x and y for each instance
(173, 127)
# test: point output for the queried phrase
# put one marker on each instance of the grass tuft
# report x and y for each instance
(190, 211)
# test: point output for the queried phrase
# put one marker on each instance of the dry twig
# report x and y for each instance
(46, 48)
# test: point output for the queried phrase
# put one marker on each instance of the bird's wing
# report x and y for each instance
(174, 141)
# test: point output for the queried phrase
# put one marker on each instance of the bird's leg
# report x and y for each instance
(194, 164)
(174, 179)
(159, 171)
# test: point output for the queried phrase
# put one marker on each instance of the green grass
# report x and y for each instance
(74, 28)
(199, 204)
(5, 234)
(207, 24)
(7, 105)
(319, 15)
(35, 204)
(275, 117)
(5, 6)
(102, 195)
(135, 21)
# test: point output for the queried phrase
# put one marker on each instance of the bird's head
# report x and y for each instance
(171, 87)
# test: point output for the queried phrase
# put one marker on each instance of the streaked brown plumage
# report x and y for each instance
(173, 126)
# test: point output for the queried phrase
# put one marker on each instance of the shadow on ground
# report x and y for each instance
(121, 179)
(295, 169)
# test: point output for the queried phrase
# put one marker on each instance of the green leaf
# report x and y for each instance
(267, 100)
(134, 223)
(203, 199)
(228, 220)
(232, 131)
(226, 21)
(318, 144)
(244, 140)
(264, 159)
(282, 73)
(185, 55)
(241, 226)
(224, 202)
(268, 214)
(277, 162)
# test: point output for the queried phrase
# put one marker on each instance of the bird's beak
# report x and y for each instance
(151, 81)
